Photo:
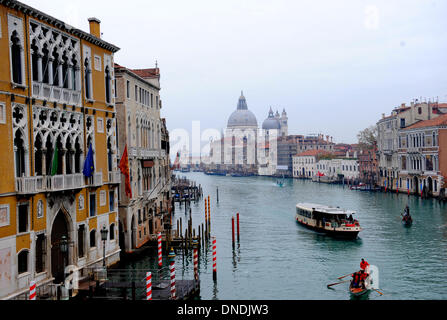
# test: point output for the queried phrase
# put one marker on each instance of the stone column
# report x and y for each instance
(50, 71)
(39, 68)
(44, 162)
(60, 76)
(63, 152)
(70, 77)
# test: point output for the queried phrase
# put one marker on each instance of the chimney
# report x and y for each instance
(383, 115)
(95, 29)
(402, 105)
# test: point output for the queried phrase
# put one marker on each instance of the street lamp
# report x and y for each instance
(104, 232)
(64, 244)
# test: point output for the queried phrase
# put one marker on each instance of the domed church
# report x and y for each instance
(275, 122)
(242, 118)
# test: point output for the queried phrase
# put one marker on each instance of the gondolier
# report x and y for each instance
(363, 264)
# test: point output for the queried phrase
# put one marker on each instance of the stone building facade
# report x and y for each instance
(388, 129)
(142, 129)
(56, 102)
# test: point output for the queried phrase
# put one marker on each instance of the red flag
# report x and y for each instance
(124, 167)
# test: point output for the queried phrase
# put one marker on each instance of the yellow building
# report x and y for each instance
(56, 98)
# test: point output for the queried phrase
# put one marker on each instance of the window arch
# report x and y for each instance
(35, 60)
(93, 238)
(19, 150)
(108, 80)
(87, 80)
(112, 231)
(46, 64)
(22, 261)
(16, 58)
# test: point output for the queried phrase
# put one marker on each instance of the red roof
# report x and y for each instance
(143, 73)
(441, 120)
(310, 153)
(147, 73)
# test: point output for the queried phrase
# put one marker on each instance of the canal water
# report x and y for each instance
(278, 259)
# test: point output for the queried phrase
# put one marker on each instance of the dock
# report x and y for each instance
(130, 284)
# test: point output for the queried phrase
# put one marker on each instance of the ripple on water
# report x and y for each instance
(278, 259)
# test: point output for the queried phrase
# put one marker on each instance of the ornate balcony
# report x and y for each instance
(95, 180)
(27, 185)
(56, 94)
(115, 177)
(30, 185)
(65, 182)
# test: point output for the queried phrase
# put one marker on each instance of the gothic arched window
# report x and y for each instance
(56, 68)
(108, 80)
(88, 91)
(35, 61)
(16, 58)
(19, 149)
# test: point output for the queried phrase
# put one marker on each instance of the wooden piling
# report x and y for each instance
(203, 237)
(181, 228)
(232, 229)
(237, 222)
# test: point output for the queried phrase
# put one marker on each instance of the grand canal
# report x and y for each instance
(278, 259)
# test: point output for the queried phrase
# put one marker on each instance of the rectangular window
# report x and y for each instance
(128, 89)
(97, 62)
(92, 204)
(429, 163)
(40, 253)
(81, 236)
(136, 93)
(2, 113)
(111, 200)
(23, 218)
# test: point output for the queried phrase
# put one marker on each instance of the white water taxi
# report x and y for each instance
(333, 221)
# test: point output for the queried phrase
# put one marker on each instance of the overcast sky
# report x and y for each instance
(335, 66)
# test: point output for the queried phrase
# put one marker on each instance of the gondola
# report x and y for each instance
(371, 282)
(407, 221)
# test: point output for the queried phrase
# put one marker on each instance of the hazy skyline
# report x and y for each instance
(334, 66)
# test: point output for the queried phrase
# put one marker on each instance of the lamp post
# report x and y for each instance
(104, 233)
(64, 250)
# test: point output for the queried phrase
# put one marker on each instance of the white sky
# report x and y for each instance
(335, 66)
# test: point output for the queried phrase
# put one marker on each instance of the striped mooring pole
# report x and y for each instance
(172, 272)
(209, 215)
(160, 260)
(148, 286)
(32, 290)
(214, 260)
(196, 260)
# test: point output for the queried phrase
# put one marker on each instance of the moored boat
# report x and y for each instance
(333, 221)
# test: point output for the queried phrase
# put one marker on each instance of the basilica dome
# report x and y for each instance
(242, 117)
(271, 122)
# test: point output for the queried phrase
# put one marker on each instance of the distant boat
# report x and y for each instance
(237, 175)
(185, 169)
(215, 173)
(407, 221)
